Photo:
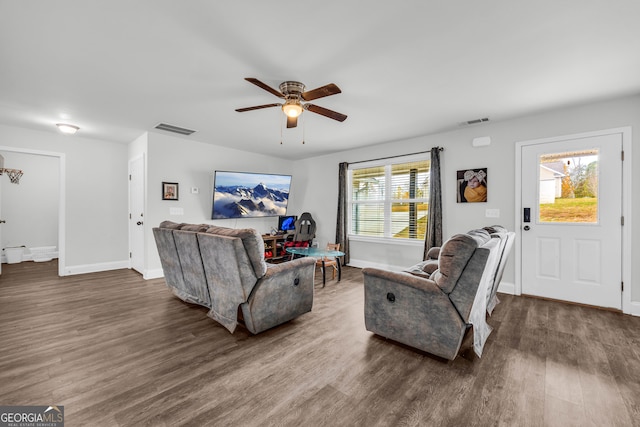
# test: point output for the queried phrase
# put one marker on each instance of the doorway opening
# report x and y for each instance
(60, 159)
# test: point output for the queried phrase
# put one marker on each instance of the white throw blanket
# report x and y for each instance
(478, 315)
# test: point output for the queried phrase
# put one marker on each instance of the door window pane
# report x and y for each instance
(568, 187)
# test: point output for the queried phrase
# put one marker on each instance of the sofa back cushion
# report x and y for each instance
(195, 227)
(171, 225)
(195, 282)
(229, 274)
(169, 257)
(252, 242)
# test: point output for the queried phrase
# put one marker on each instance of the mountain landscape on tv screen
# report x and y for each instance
(238, 201)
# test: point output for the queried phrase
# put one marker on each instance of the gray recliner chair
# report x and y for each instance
(432, 311)
(506, 237)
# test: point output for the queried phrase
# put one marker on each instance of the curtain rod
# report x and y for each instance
(393, 157)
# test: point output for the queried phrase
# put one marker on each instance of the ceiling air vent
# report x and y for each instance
(476, 121)
(174, 129)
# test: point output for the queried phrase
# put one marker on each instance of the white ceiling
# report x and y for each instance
(116, 68)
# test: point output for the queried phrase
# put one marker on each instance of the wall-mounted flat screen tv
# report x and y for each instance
(249, 195)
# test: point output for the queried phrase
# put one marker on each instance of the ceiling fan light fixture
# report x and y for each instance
(292, 108)
(66, 128)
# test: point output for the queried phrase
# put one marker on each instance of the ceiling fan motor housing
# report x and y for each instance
(294, 89)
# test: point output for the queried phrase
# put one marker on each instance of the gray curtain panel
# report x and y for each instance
(341, 221)
(434, 223)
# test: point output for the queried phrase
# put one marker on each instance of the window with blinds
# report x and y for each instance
(390, 200)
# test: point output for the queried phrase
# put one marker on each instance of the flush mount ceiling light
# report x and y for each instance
(292, 108)
(67, 129)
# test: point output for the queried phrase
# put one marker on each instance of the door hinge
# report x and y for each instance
(622, 220)
(622, 286)
(129, 254)
(129, 177)
(129, 216)
(622, 155)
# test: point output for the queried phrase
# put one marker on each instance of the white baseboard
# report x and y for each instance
(507, 288)
(153, 274)
(27, 257)
(634, 308)
(364, 264)
(94, 268)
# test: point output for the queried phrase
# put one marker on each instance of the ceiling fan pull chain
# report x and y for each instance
(304, 121)
(281, 131)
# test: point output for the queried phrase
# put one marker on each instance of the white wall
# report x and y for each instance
(320, 187)
(30, 208)
(192, 164)
(96, 196)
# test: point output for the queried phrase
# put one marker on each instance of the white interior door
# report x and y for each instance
(136, 214)
(572, 234)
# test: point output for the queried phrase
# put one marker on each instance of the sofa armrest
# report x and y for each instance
(411, 310)
(276, 269)
(282, 294)
(433, 253)
(403, 279)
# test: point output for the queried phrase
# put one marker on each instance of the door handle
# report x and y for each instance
(139, 223)
(526, 228)
(2, 221)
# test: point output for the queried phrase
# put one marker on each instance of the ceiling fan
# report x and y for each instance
(293, 93)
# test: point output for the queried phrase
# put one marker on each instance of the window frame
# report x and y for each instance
(387, 201)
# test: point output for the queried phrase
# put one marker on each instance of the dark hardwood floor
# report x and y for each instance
(117, 350)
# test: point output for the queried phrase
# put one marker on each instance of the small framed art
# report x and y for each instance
(169, 191)
(472, 185)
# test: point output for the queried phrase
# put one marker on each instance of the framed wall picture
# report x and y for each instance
(472, 185)
(169, 191)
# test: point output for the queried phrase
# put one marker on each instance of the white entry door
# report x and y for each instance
(571, 220)
(136, 213)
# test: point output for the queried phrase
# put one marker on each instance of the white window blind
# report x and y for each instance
(389, 200)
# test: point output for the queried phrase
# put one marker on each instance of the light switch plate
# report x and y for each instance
(492, 213)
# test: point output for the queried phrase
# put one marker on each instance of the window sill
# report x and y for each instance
(386, 240)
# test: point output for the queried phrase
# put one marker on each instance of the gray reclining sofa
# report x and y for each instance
(224, 270)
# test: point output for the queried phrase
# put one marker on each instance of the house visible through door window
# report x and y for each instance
(568, 188)
(389, 200)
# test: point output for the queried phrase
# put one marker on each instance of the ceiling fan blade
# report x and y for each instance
(292, 122)
(326, 112)
(321, 92)
(264, 86)
(257, 107)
